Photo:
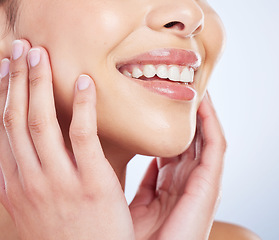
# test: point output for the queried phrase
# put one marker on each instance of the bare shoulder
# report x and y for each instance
(221, 231)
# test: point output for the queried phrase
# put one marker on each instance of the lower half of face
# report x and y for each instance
(90, 38)
(132, 117)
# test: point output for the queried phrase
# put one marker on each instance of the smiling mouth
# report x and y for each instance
(169, 72)
(149, 72)
(168, 64)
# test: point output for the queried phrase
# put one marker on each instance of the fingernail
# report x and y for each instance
(83, 82)
(34, 57)
(5, 66)
(17, 49)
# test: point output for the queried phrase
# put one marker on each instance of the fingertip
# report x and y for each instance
(25, 42)
(19, 49)
(83, 82)
(38, 55)
(34, 57)
(5, 68)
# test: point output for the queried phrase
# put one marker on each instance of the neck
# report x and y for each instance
(118, 159)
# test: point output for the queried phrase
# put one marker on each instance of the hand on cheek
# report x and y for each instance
(180, 195)
(41, 182)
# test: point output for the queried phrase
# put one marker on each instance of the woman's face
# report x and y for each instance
(94, 36)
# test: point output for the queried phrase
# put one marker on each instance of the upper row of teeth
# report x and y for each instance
(172, 72)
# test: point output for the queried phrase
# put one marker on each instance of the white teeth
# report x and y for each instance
(136, 72)
(174, 73)
(162, 71)
(127, 74)
(186, 75)
(192, 74)
(149, 71)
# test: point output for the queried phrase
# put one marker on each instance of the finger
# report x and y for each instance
(194, 151)
(197, 206)
(205, 180)
(15, 115)
(42, 121)
(87, 149)
(8, 167)
(203, 188)
(213, 137)
(147, 189)
(7, 160)
(199, 141)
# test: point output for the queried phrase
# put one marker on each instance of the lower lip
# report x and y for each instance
(173, 90)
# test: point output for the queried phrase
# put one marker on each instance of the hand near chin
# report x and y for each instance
(48, 193)
(178, 196)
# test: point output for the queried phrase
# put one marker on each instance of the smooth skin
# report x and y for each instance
(93, 37)
(52, 194)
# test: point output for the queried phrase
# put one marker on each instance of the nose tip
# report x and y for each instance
(185, 20)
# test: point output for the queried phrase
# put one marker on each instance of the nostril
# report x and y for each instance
(175, 24)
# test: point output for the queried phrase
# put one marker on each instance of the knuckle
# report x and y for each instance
(63, 189)
(223, 143)
(94, 194)
(80, 134)
(10, 118)
(37, 125)
(89, 196)
(35, 79)
(103, 190)
(220, 143)
(15, 74)
(34, 191)
(82, 100)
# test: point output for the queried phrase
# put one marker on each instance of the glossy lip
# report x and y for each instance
(168, 56)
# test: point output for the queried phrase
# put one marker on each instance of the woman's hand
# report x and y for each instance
(178, 196)
(48, 193)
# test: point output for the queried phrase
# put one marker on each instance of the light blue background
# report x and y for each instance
(245, 91)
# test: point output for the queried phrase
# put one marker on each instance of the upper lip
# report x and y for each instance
(168, 56)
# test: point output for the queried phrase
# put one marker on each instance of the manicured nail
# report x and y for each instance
(17, 49)
(5, 66)
(34, 57)
(83, 82)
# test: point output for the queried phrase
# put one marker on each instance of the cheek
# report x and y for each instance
(212, 40)
(213, 37)
(74, 33)
(75, 44)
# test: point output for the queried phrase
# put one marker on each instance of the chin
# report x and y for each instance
(169, 143)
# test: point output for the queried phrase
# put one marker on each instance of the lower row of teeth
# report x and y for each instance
(173, 73)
